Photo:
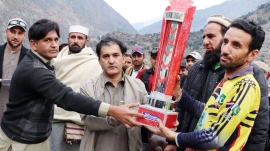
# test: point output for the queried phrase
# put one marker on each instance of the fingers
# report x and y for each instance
(160, 124)
(136, 114)
(134, 122)
(176, 123)
(128, 126)
(155, 131)
(131, 105)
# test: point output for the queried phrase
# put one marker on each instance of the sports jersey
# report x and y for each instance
(227, 117)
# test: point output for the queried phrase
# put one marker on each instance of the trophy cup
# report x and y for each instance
(176, 24)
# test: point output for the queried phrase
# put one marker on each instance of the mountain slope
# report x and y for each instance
(230, 9)
(97, 15)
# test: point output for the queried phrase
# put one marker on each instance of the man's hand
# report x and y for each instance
(0, 80)
(177, 90)
(170, 148)
(162, 131)
(124, 115)
(176, 124)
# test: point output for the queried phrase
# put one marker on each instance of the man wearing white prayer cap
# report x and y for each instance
(74, 64)
(77, 38)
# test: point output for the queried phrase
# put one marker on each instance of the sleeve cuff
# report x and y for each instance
(176, 140)
(103, 109)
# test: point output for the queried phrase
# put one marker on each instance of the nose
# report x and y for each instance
(225, 49)
(16, 35)
(54, 44)
(205, 41)
(111, 60)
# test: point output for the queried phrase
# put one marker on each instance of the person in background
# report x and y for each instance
(113, 87)
(127, 62)
(147, 77)
(137, 60)
(73, 65)
(11, 54)
(227, 118)
(62, 46)
(26, 124)
(183, 73)
(192, 58)
(265, 69)
(204, 76)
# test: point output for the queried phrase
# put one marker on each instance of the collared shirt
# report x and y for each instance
(228, 115)
(49, 62)
(10, 62)
(216, 66)
(114, 95)
(134, 72)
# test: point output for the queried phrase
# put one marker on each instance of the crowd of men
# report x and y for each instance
(78, 99)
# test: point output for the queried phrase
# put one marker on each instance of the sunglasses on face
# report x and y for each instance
(17, 22)
(154, 51)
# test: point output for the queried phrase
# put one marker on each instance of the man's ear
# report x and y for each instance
(6, 31)
(86, 41)
(252, 55)
(33, 44)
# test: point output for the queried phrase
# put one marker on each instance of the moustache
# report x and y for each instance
(225, 56)
(75, 45)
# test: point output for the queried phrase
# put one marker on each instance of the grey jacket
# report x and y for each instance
(200, 84)
(115, 135)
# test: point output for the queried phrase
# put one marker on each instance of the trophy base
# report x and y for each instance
(151, 114)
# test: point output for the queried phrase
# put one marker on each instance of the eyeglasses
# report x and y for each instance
(17, 22)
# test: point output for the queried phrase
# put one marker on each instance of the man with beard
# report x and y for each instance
(73, 65)
(205, 75)
(227, 118)
(137, 60)
(11, 54)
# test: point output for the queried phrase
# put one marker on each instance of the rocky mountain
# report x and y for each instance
(140, 25)
(148, 41)
(97, 15)
(229, 8)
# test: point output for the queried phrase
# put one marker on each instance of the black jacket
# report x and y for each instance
(200, 84)
(2, 50)
(33, 92)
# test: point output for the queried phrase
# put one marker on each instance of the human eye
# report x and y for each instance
(47, 40)
(105, 56)
(225, 41)
(236, 44)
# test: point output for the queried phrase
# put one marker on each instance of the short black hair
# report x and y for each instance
(252, 28)
(128, 55)
(62, 46)
(106, 42)
(40, 29)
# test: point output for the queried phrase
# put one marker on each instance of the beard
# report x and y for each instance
(12, 45)
(210, 58)
(233, 63)
(77, 49)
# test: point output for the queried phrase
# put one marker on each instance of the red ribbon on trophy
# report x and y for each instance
(176, 25)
